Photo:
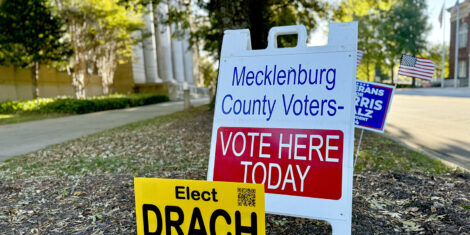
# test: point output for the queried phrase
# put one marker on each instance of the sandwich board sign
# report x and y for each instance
(372, 105)
(166, 206)
(284, 117)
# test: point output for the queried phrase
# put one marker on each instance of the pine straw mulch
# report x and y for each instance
(59, 190)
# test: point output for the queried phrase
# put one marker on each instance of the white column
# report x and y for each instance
(188, 60)
(177, 51)
(162, 33)
(150, 53)
(138, 66)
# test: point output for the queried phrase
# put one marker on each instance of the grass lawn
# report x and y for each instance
(86, 185)
(380, 152)
(157, 144)
(26, 117)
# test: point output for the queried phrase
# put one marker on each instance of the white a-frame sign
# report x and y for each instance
(284, 117)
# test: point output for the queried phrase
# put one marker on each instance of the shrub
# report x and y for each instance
(80, 106)
(9, 107)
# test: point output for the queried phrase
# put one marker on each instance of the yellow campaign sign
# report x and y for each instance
(172, 206)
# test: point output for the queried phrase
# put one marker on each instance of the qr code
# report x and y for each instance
(246, 197)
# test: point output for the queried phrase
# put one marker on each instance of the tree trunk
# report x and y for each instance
(81, 51)
(106, 62)
(78, 81)
(214, 94)
(413, 82)
(34, 80)
(107, 81)
(105, 88)
(391, 73)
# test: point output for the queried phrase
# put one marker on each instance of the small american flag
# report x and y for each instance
(360, 53)
(440, 15)
(416, 67)
(454, 9)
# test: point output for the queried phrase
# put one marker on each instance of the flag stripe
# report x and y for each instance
(413, 75)
(423, 60)
(416, 72)
(413, 72)
(419, 69)
(425, 64)
(360, 53)
(426, 61)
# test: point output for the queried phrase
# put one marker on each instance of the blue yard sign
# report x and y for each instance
(372, 105)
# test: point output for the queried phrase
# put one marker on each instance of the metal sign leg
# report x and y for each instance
(358, 147)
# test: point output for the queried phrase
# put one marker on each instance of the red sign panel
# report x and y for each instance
(300, 162)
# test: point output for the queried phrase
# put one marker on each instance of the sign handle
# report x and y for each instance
(300, 30)
(358, 147)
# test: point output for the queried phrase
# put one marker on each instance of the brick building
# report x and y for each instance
(464, 43)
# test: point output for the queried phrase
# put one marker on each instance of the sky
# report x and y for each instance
(319, 37)
(434, 8)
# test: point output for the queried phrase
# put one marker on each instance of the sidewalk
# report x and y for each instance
(22, 138)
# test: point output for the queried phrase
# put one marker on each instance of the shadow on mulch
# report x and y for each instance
(384, 202)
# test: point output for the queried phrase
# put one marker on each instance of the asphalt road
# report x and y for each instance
(434, 120)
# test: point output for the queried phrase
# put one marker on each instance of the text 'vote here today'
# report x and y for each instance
(302, 162)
